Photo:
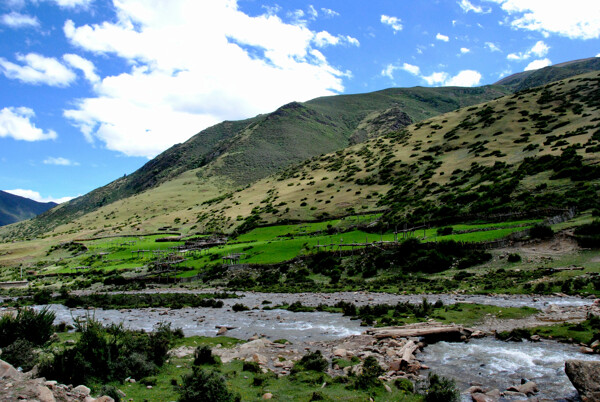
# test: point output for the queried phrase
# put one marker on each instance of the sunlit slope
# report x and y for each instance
(536, 149)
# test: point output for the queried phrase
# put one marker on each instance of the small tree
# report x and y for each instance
(205, 386)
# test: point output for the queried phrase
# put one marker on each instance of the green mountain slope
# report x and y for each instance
(535, 78)
(230, 155)
(14, 208)
(538, 149)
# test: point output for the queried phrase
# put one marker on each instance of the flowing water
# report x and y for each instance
(274, 324)
(497, 364)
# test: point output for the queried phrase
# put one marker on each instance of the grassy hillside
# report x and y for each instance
(14, 208)
(533, 150)
(183, 183)
(535, 78)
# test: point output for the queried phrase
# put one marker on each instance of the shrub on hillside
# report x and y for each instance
(203, 355)
(205, 386)
(541, 231)
(588, 235)
(513, 257)
(441, 389)
(20, 354)
(311, 361)
(28, 324)
(369, 377)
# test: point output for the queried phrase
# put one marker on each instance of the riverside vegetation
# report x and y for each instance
(495, 197)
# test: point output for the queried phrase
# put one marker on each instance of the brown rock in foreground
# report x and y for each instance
(585, 376)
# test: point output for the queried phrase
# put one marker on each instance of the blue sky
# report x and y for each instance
(91, 89)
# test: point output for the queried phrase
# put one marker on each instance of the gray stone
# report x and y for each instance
(8, 371)
(585, 377)
(82, 389)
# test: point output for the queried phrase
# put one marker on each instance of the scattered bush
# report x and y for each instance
(237, 307)
(20, 354)
(445, 231)
(441, 389)
(203, 355)
(513, 257)
(205, 386)
(31, 325)
(251, 367)
(369, 378)
(311, 361)
(541, 231)
(404, 384)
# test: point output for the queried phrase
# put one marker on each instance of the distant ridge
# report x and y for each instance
(534, 78)
(14, 208)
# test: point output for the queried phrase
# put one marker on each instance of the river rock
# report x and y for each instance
(340, 353)
(268, 395)
(387, 388)
(586, 350)
(529, 388)
(474, 390)
(585, 377)
(478, 334)
(8, 371)
(105, 398)
(222, 331)
(479, 397)
(45, 395)
(82, 389)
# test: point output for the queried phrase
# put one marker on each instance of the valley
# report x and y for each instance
(268, 257)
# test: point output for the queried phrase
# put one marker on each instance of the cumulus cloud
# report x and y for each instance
(540, 49)
(464, 50)
(467, 6)
(534, 65)
(37, 69)
(492, 47)
(36, 196)
(465, 78)
(18, 20)
(329, 12)
(86, 66)
(575, 19)
(60, 161)
(441, 37)
(195, 64)
(324, 38)
(73, 3)
(15, 122)
(394, 22)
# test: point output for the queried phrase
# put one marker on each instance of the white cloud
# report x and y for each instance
(34, 195)
(464, 50)
(18, 20)
(465, 78)
(59, 161)
(179, 84)
(324, 38)
(492, 47)
(329, 12)
(15, 123)
(86, 66)
(534, 65)
(73, 3)
(540, 49)
(393, 22)
(389, 70)
(441, 37)
(575, 19)
(37, 69)
(467, 6)
(598, 55)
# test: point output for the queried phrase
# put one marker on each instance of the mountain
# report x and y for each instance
(183, 186)
(14, 208)
(542, 76)
(536, 150)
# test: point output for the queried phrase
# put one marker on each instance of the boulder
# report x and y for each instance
(105, 398)
(82, 389)
(268, 395)
(479, 397)
(529, 388)
(8, 371)
(222, 331)
(45, 395)
(475, 389)
(585, 377)
(340, 353)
